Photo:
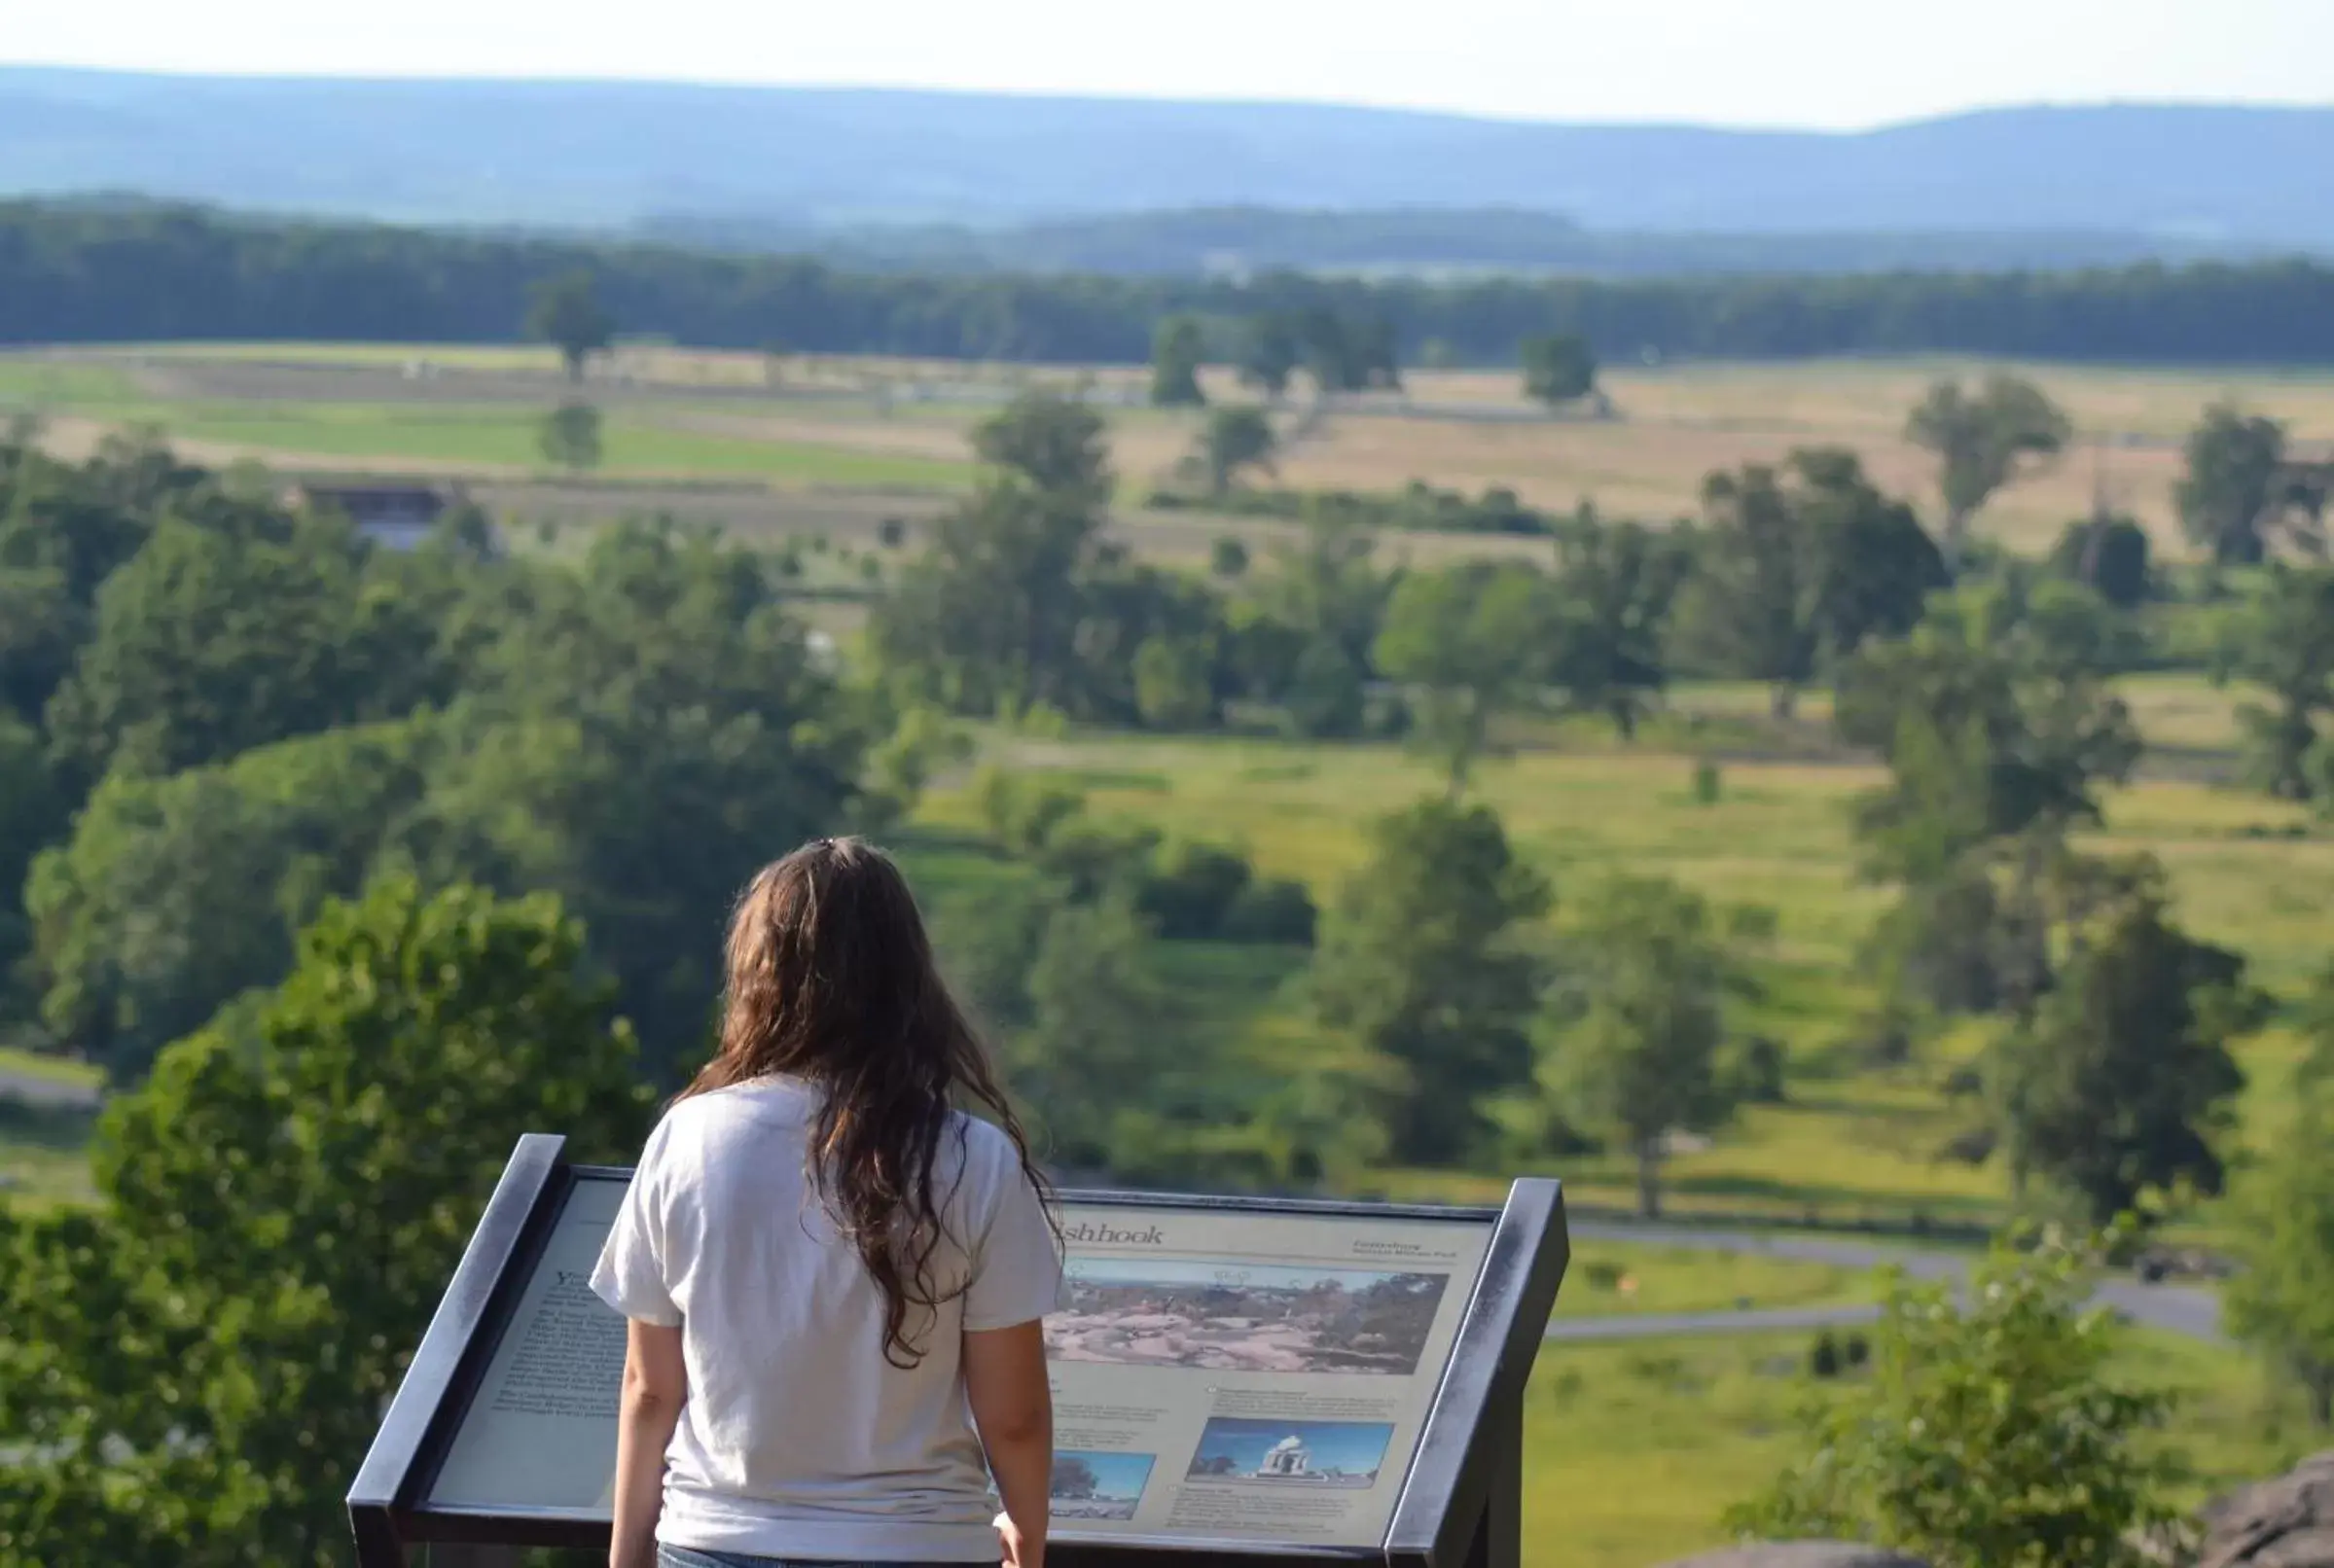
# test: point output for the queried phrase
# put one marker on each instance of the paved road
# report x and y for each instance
(31, 1089)
(2185, 1309)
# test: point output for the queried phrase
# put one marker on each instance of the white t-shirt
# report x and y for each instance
(799, 1438)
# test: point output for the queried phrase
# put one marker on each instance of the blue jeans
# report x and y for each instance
(690, 1558)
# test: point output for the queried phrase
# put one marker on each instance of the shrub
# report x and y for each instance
(1274, 911)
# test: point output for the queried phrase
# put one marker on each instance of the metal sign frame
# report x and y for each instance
(1459, 1507)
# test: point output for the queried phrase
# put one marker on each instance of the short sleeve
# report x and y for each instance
(631, 1274)
(1017, 1269)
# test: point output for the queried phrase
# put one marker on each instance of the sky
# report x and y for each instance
(1825, 63)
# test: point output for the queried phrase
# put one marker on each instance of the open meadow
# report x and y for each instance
(782, 440)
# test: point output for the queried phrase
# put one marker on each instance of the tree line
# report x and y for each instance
(77, 273)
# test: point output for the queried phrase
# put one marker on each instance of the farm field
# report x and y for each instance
(825, 425)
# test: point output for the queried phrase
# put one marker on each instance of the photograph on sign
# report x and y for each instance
(1098, 1485)
(1251, 1373)
(1265, 1319)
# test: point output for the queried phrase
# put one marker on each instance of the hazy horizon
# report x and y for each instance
(1797, 64)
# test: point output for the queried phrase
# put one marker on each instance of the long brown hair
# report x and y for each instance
(831, 980)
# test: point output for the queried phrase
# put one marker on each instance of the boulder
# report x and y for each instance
(1801, 1555)
(2284, 1522)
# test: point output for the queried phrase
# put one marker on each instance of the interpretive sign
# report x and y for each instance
(1229, 1376)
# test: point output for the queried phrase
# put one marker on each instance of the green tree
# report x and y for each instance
(1228, 558)
(570, 437)
(197, 1365)
(2284, 643)
(174, 895)
(1980, 439)
(2280, 1302)
(1268, 353)
(1799, 567)
(32, 815)
(565, 312)
(1988, 731)
(1630, 1049)
(1559, 369)
(1234, 439)
(217, 637)
(2110, 555)
(2125, 1082)
(1057, 446)
(2226, 495)
(1993, 1433)
(1422, 969)
(1092, 1043)
(1178, 350)
(1615, 586)
(1468, 643)
(1172, 686)
(655, 730)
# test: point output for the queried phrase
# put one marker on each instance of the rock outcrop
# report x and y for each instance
(2284, 1522)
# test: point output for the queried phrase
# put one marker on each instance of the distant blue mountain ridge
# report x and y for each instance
(2187, 180)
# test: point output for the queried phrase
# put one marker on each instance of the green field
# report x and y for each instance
(1618, 1278)
(1634, 1449)
(1858, 1139)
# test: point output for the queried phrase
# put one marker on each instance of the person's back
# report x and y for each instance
(834, 1266)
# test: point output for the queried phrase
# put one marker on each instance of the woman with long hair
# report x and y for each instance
(834, 1273)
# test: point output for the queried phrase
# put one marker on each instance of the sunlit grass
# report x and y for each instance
(1632, 1450)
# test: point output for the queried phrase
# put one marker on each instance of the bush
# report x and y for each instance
(1757, 1071)
(1823, 1356)
(891, 533)
(1708, 782)
(1274, 911)
(1189, 889)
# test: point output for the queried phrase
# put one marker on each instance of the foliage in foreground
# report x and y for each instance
(1992, 1434)
(192, 1368)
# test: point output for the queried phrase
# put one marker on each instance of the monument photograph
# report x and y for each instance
(1291, 1452)
(1089, 1486)
(1142, 1312)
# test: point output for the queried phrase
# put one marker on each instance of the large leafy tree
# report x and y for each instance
(2124, 1085)
(1234, 439)
(1268, 353)
(2230, 490)
(1994, 1432)
(1615, 586)
(1981, 440)
(1177, 350)
(1559, 369)
(1629, 1046)
(1800, 566)
(1421, 966)
(232, 629)
(194, 1367)
(2284, 643)
(1999, 742)
(1469, 643)
(2282, 1300)
(989, 618)
(565, 312)
(652, 732)
(174, 895)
